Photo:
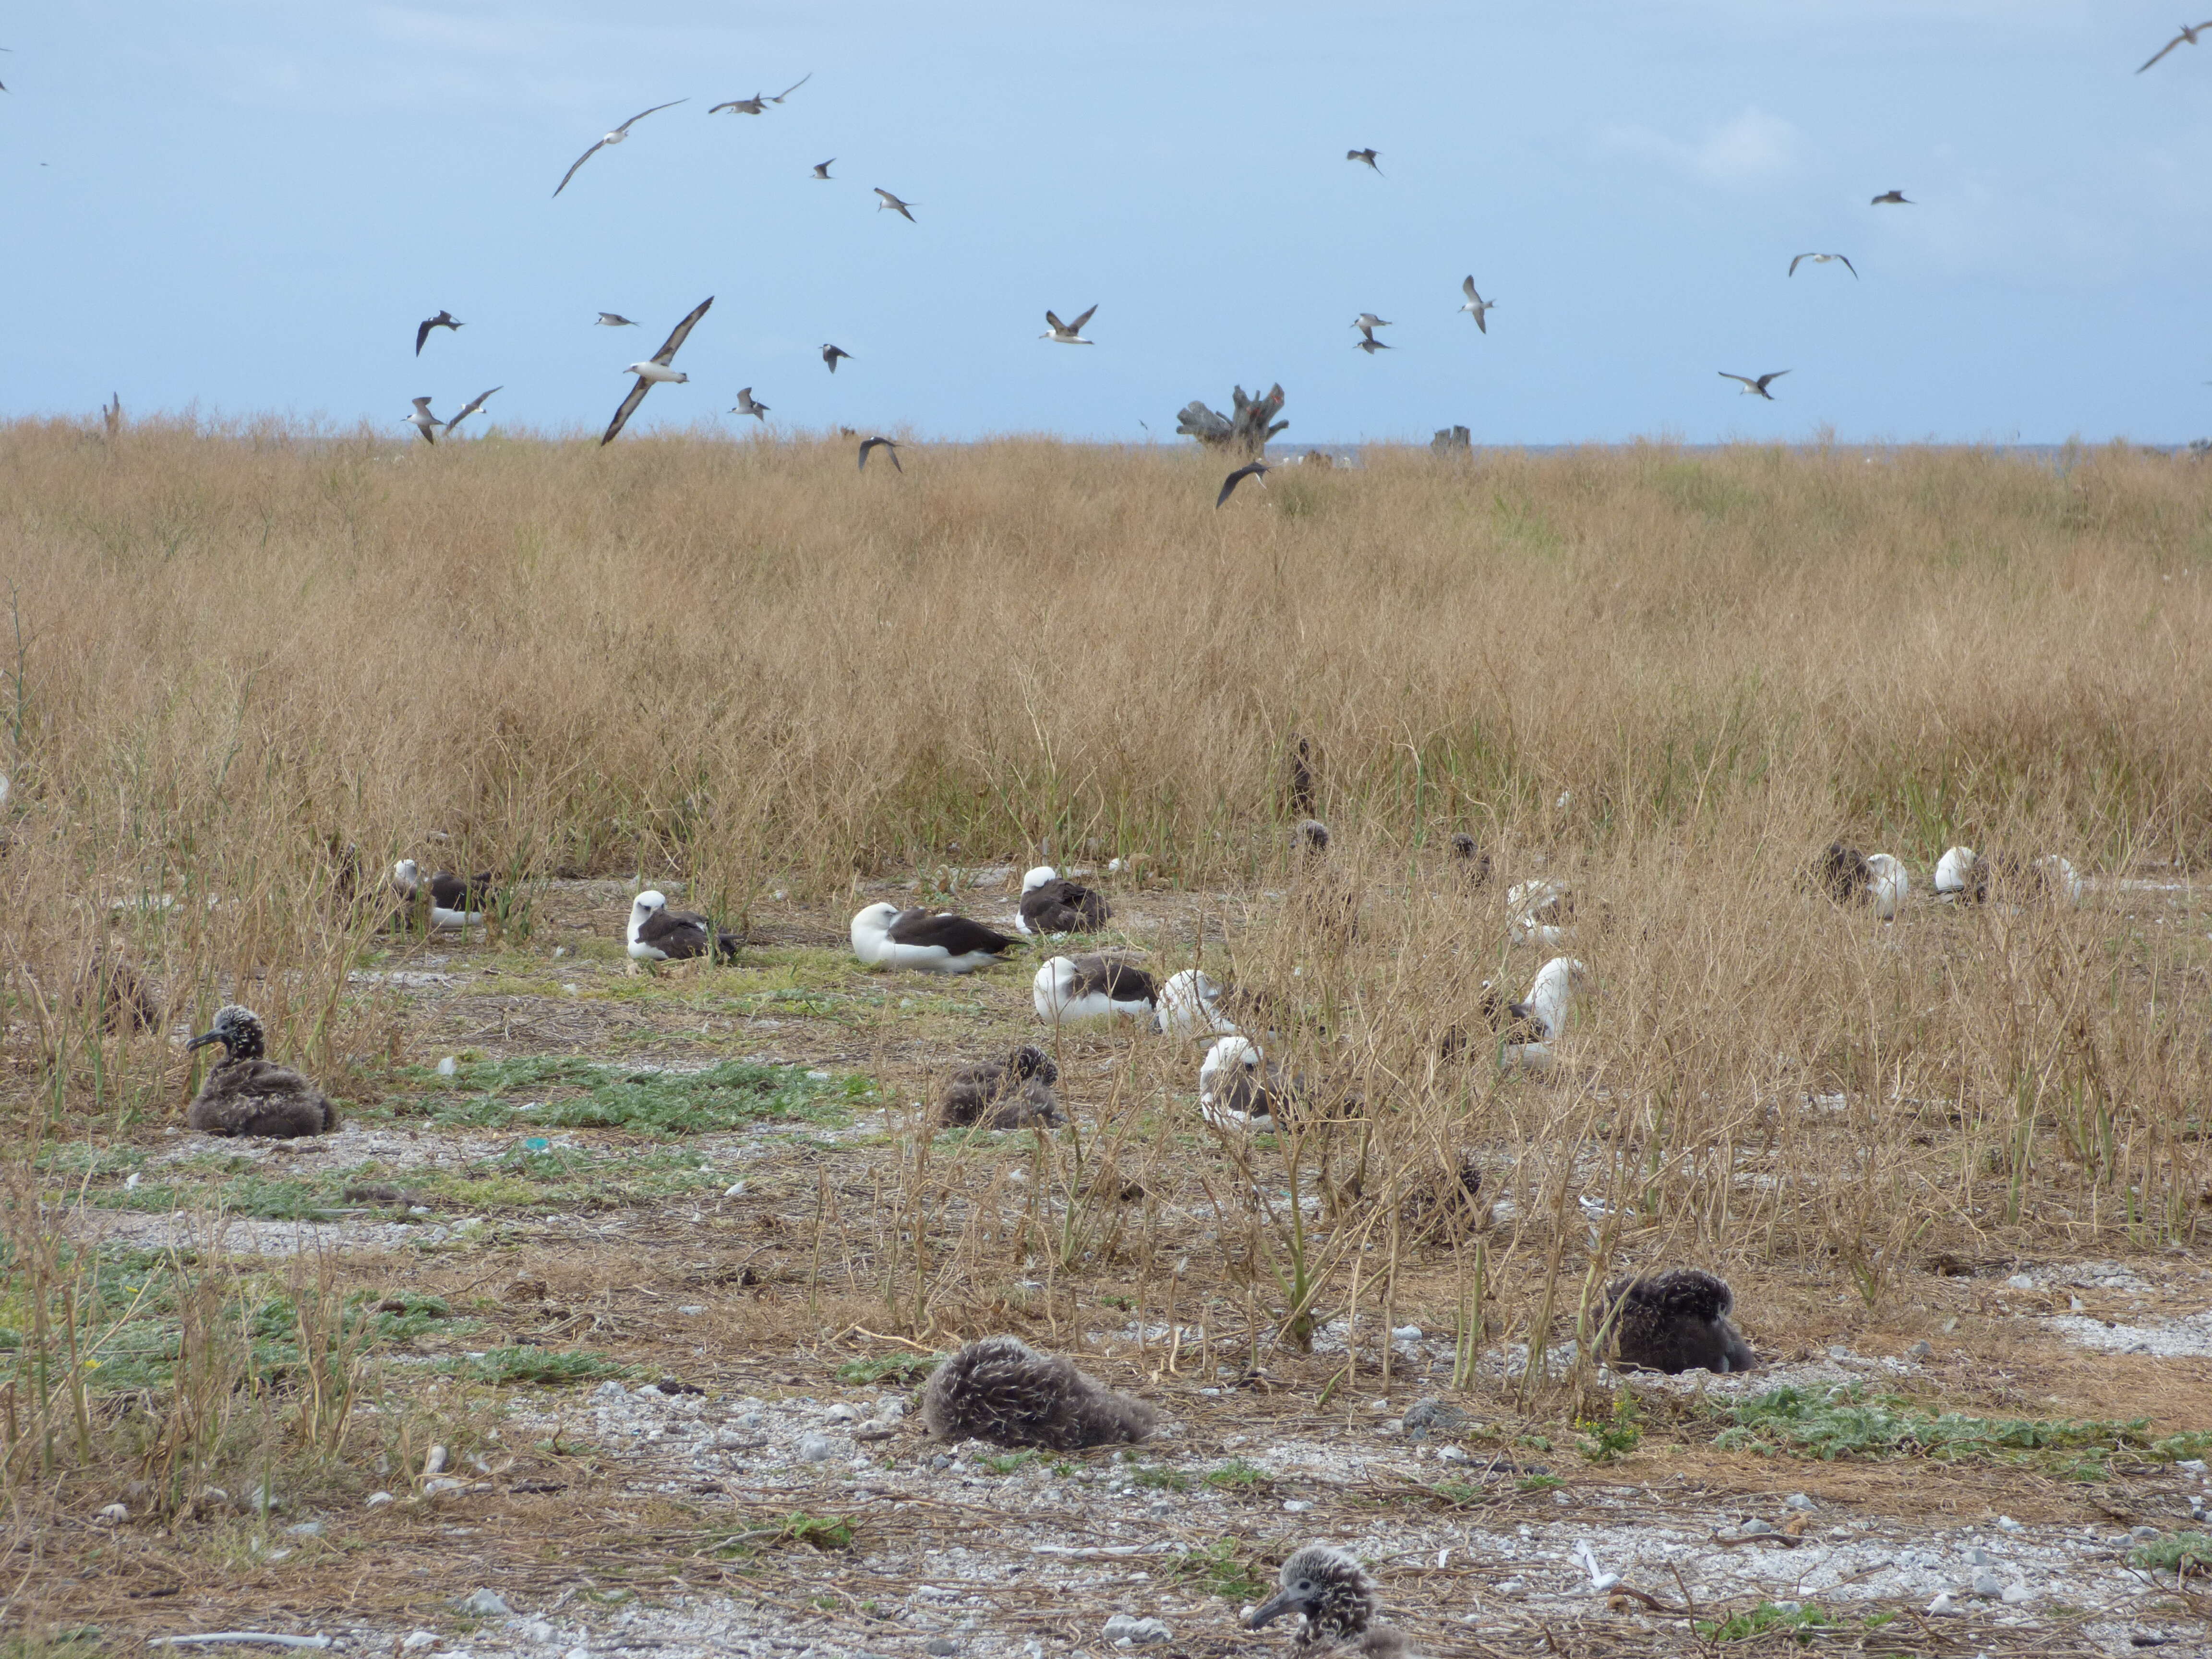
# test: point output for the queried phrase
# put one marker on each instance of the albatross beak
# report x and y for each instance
(203, 1039)
(1274, 1607)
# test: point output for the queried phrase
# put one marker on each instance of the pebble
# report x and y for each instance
(2016, 1592)
(940, 1645)
(2006, 1523)
(1407, 1334)
(1296, 1506)
(1453, 1455)
(1756, 1528)
(843, 1413)
(539, 1631)
(1798, 1500)
(416, 1640)
(2142, 1534)
(2020, 1282)
(692, 1309)
(1941, 1605)
(483, 1602)
(377, 1500)
(1512, 1586)
(1921, 1350)
(814, 1448)
(1121, 1627)
(435, 1462)
(111, 1513)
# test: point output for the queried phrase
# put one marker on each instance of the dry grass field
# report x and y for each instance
(1956, 1165)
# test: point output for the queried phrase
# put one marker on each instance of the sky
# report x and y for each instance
(242, 208)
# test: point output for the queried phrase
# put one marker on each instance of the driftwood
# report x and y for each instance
(1450, 440)
(1247, 430)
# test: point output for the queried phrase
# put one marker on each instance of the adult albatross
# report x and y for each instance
(655, 370)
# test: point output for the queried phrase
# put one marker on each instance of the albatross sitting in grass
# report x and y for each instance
(247, 1093)
(1051, 903)
(1677, 1322)
(934, 941)
(658, 934)
(1071, 989)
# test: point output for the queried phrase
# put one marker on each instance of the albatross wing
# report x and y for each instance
(674, 343)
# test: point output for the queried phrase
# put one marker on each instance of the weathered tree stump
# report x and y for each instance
(1452, 440)
(1247, 431)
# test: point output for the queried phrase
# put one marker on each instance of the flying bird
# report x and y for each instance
(890, 448)
(1895, 195)
(1249, 469)
(468, 409)
(831, 354)
(443, 320)
(614, 137)
(1823, 259)
(895, 204)
(2187, 37)
(1759, 385)
(747, 406)
(1366, 156)
(793, 88)
(1367, 322)
(754, 105)
(1370, 345)
(822, 168)
(1476, 304)
(423, 420)
(1067, 334)
(655, 370)
(614, 319)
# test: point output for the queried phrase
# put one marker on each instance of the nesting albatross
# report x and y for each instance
(1070, 989)
(934, 941)
(658, 934)
(455, 901)
(247, 1094)
(1012, 1093)
(1002, 1390)
(1051, 903)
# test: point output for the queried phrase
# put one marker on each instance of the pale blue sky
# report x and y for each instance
(246, 207)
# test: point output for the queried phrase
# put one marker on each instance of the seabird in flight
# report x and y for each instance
(247, 1093)
(468, 409)
(884, 936)
(894, 205)
(1370, 345)
(1759, 385)
(614, 137)
(2188, 36)
(614, 319)
(1896, 196)
(1476, 304)
(831, 354)
(822, 168)
(747, 406)
(1367, 322)
(423, 420)
(1822, 259)
(1067, 334)
(890, 448)
(1366, 156)
(658, 934)
(444, 319)
(793, 88)
(1249, 469)
(655, 370)
(754, 105)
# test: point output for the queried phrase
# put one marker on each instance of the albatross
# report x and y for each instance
(1367, 322)
(753, 106)
(747, 406)
(1335, 1600)
(614, 137)
(1676, 1322)
(1822, 259)
(658, 934)
(1534, 1025)
(889, 446)
(894, 205)
(614, 319)
(1067, 990)
(468, 409)
(1257, 470)
(1002, 1390)
(249, 1094)
(1013, 1093)
(1051, 903)
(444, 319)
(455, 901)
(1479, 306)
(1067, 334)
(655, 370)
(822, 168)
(1890, 198)
(1757, 385)
(2187, 37)
(934, 941)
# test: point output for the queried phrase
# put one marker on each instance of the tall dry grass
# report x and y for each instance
(1669, 678)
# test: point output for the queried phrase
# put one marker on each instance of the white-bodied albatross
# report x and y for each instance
(655, 370)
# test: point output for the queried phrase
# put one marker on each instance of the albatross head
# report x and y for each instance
(1038, 877)
(237, 1028)
(871, 930)
(1329, 1587)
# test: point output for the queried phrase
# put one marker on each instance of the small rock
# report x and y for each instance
(1136, 1632)
(484, 1603)
(306, 1530)
(111, 1513)
(1453, 1455)
(1407, 1334)
(539, 1631)
(2006, 1523)
(1296, 1506)
(2195, 1465)
(1379, 1406)
(814, 1448)
(2142, 1534)
(843, 1413)
(435, 1462)
(448, 1067)
(416, 1640)
(1921, 1350)
(275, 1556)
(377, 1500)
(692, 1309)
(2073, 1305)
(940, 1645)
(609, 1392)
(1512, 1586)
(1987, 1583)
(2020, 1282)
(1838, 1351)
(443, 1483)
(1951, 1324)
(1797, 1500)
(1941, 1605)
(2016, 1592)
(1756, 1528)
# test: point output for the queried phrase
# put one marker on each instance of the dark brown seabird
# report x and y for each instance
(1002, 1390)
(247, 1094)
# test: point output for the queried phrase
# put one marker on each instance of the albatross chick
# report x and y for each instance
(248, 1094)
(1002, 1390)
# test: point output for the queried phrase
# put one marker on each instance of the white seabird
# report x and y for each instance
(1890, 882)
(1822, 259)
(613, 319)
(655, 370)
(1759, 385)
(1540, 911)
(934, 941)
(1050, 903)
(1476, 304)
(1238, 1085)
(1189, 1005)
(1069, 989)
(746, 405)
(894, 205)
(1067, 334)
(614, 137)
(1955, 874)
(1537, 1021)
(822, 168)
(454, 901)
(468, 409)
(658, 934)
(1367, 322)
(423, 420)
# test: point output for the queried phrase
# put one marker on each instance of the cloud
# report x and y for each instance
(1749, 149)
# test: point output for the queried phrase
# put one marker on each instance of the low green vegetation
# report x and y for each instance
(1605, 1439)
(1221, 1569)
(1842, 1422)
(2181, 1552)
(543, 1366)
(1238, 1475)
(1804, 1624)
(561, 1092)
(1008, 1462)
(891, 1368)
